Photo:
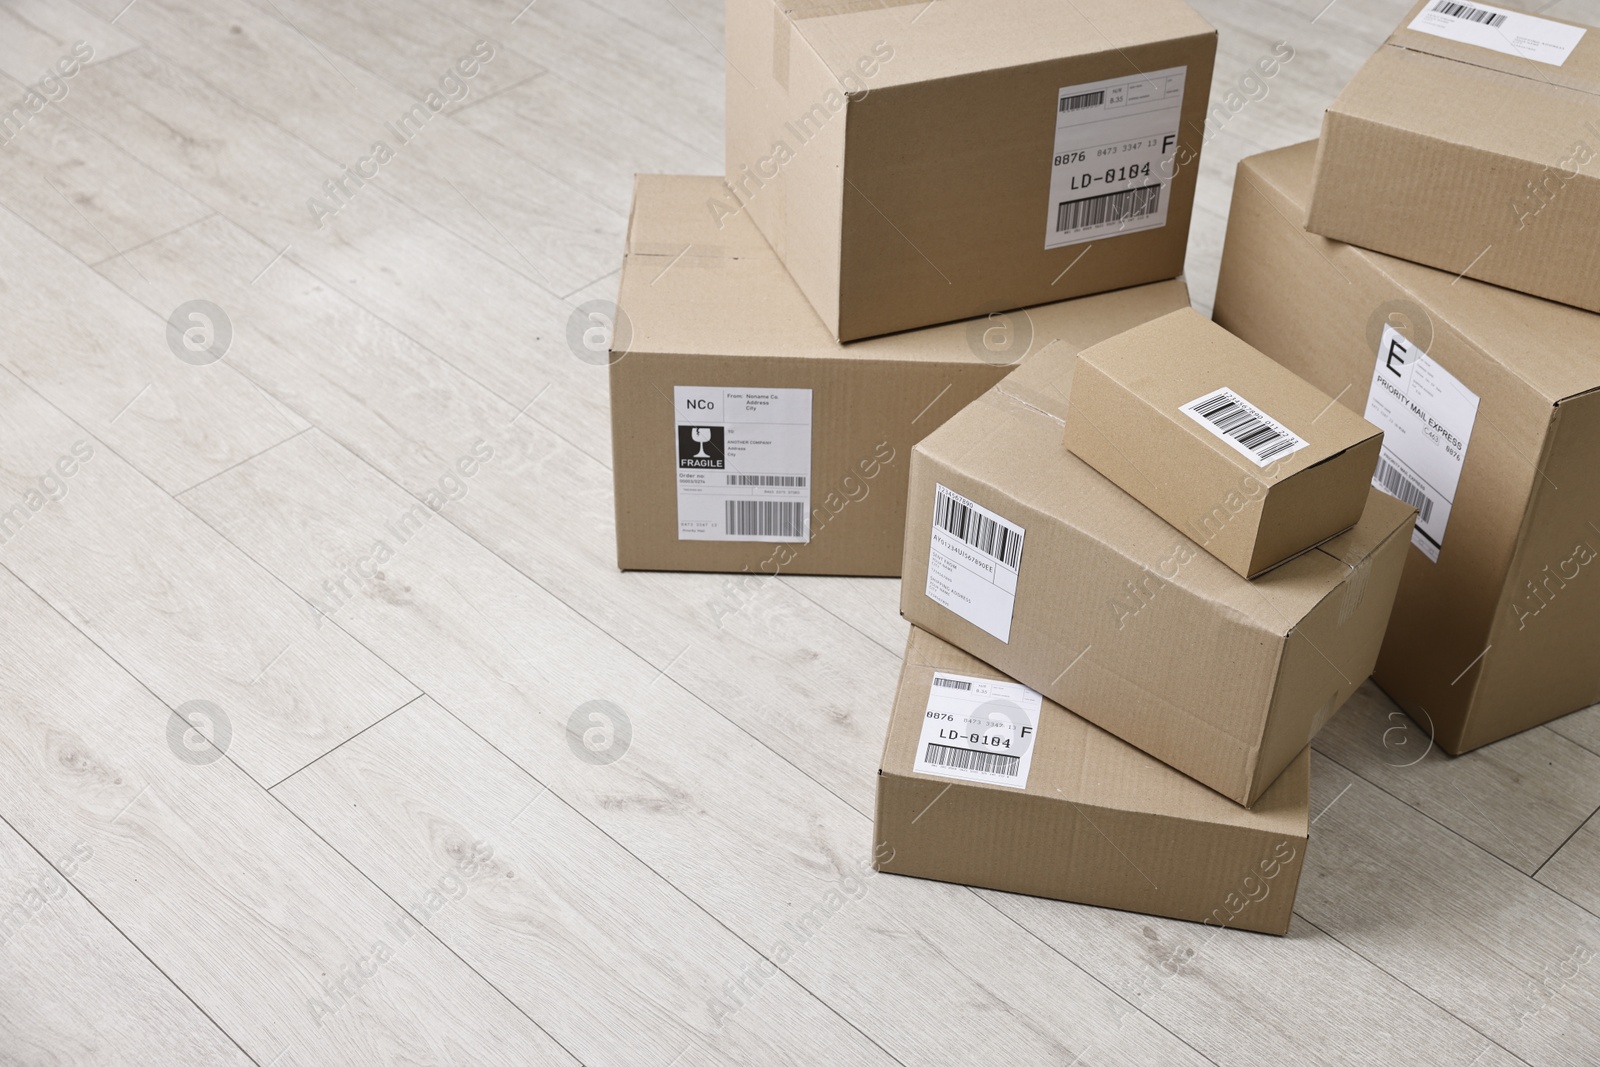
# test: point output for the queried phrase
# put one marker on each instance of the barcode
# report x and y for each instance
(1083, 100)
(766, 518)
(952, 683)
(1229, 414)
(1470, 13)
(1396, 484)
(968, 759)
(1106, 208)
(981, 532)
(792, 480)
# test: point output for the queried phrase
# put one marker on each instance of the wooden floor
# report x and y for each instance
(390, 851)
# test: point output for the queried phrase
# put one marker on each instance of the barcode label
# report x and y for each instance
(951, 683)
(966, 759)
(766, 518)
(1392, 480)
(974, 556)
(1107, 209)
(995, 539)
(1083, 100)
(1470, 13)
(1243, 427)
(786, 480)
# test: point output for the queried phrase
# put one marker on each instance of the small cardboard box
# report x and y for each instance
(1468, 142)
(918, 163)
(1020, 553)
(1250, 461)
(745, 438)
(1494, 626)
(985, 784)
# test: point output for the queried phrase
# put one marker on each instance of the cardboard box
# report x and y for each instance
(1468, 143)
(1020, 553)
(1250, 461)
(916, 164)
(1494, 627)
(722, 373)
(985, 784)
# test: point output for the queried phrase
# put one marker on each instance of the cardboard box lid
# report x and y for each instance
(951, 38)
(1444, 89)
(982, 442)
(691, 285)
(1173, 360)
(1078, 762)
(1552, 348)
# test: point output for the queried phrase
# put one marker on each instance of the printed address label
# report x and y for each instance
(743, 463)
(979, 730)
(973, 559)
(1243, 427)
(1513, 33)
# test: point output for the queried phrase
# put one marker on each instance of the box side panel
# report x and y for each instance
(866, 416)
(1314, 505)
(1541, 661)
(785, 147)
(1018, 843)
(947, 193)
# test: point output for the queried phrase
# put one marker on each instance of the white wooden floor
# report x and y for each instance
(391, 853)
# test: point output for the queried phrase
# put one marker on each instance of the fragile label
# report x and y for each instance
(744, 463)
(973, 559)
(1243, 427)
(1426, 416)
(1115, 142)
(1511, 32)
(979, 730)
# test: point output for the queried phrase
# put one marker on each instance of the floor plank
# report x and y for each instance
(73, 990)
(297, 957)
(184, 611)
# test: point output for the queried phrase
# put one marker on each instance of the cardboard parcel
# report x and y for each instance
(915, 164)
(1250, 461)
(1020, 553)
(1469, 142)
(985, 783)
(744, 438)
(1490, 405)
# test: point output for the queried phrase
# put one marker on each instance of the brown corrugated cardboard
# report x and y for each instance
(1468, 143)
(708, 316)
(1251, 462)
(1498, 635)
(910, 162)
(1045, 569)
(1093, 820)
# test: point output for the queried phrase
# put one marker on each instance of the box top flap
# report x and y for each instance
(1553, 348)
(1078, 762)
(950, 38)
(700, 279)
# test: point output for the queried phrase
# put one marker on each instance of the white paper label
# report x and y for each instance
(979, 730)
(744, 463)
(973, 558)
(1115, 142)
(1510, 32)
(1426, 416)
(1243, 427)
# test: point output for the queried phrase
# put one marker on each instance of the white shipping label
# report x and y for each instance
(1426, 416)
(744, 463)
(973, 559)
(1115, 144)
(979, 730)
(1511, 32)
(1243, 427)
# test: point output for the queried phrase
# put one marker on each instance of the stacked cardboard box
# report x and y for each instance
(929, 324)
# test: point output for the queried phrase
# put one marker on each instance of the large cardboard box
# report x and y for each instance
(918, 163)
(1251, 461)
(1020, 553)
(744, 438)
(985, 784)
(1496, 626)
(1468, 142)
